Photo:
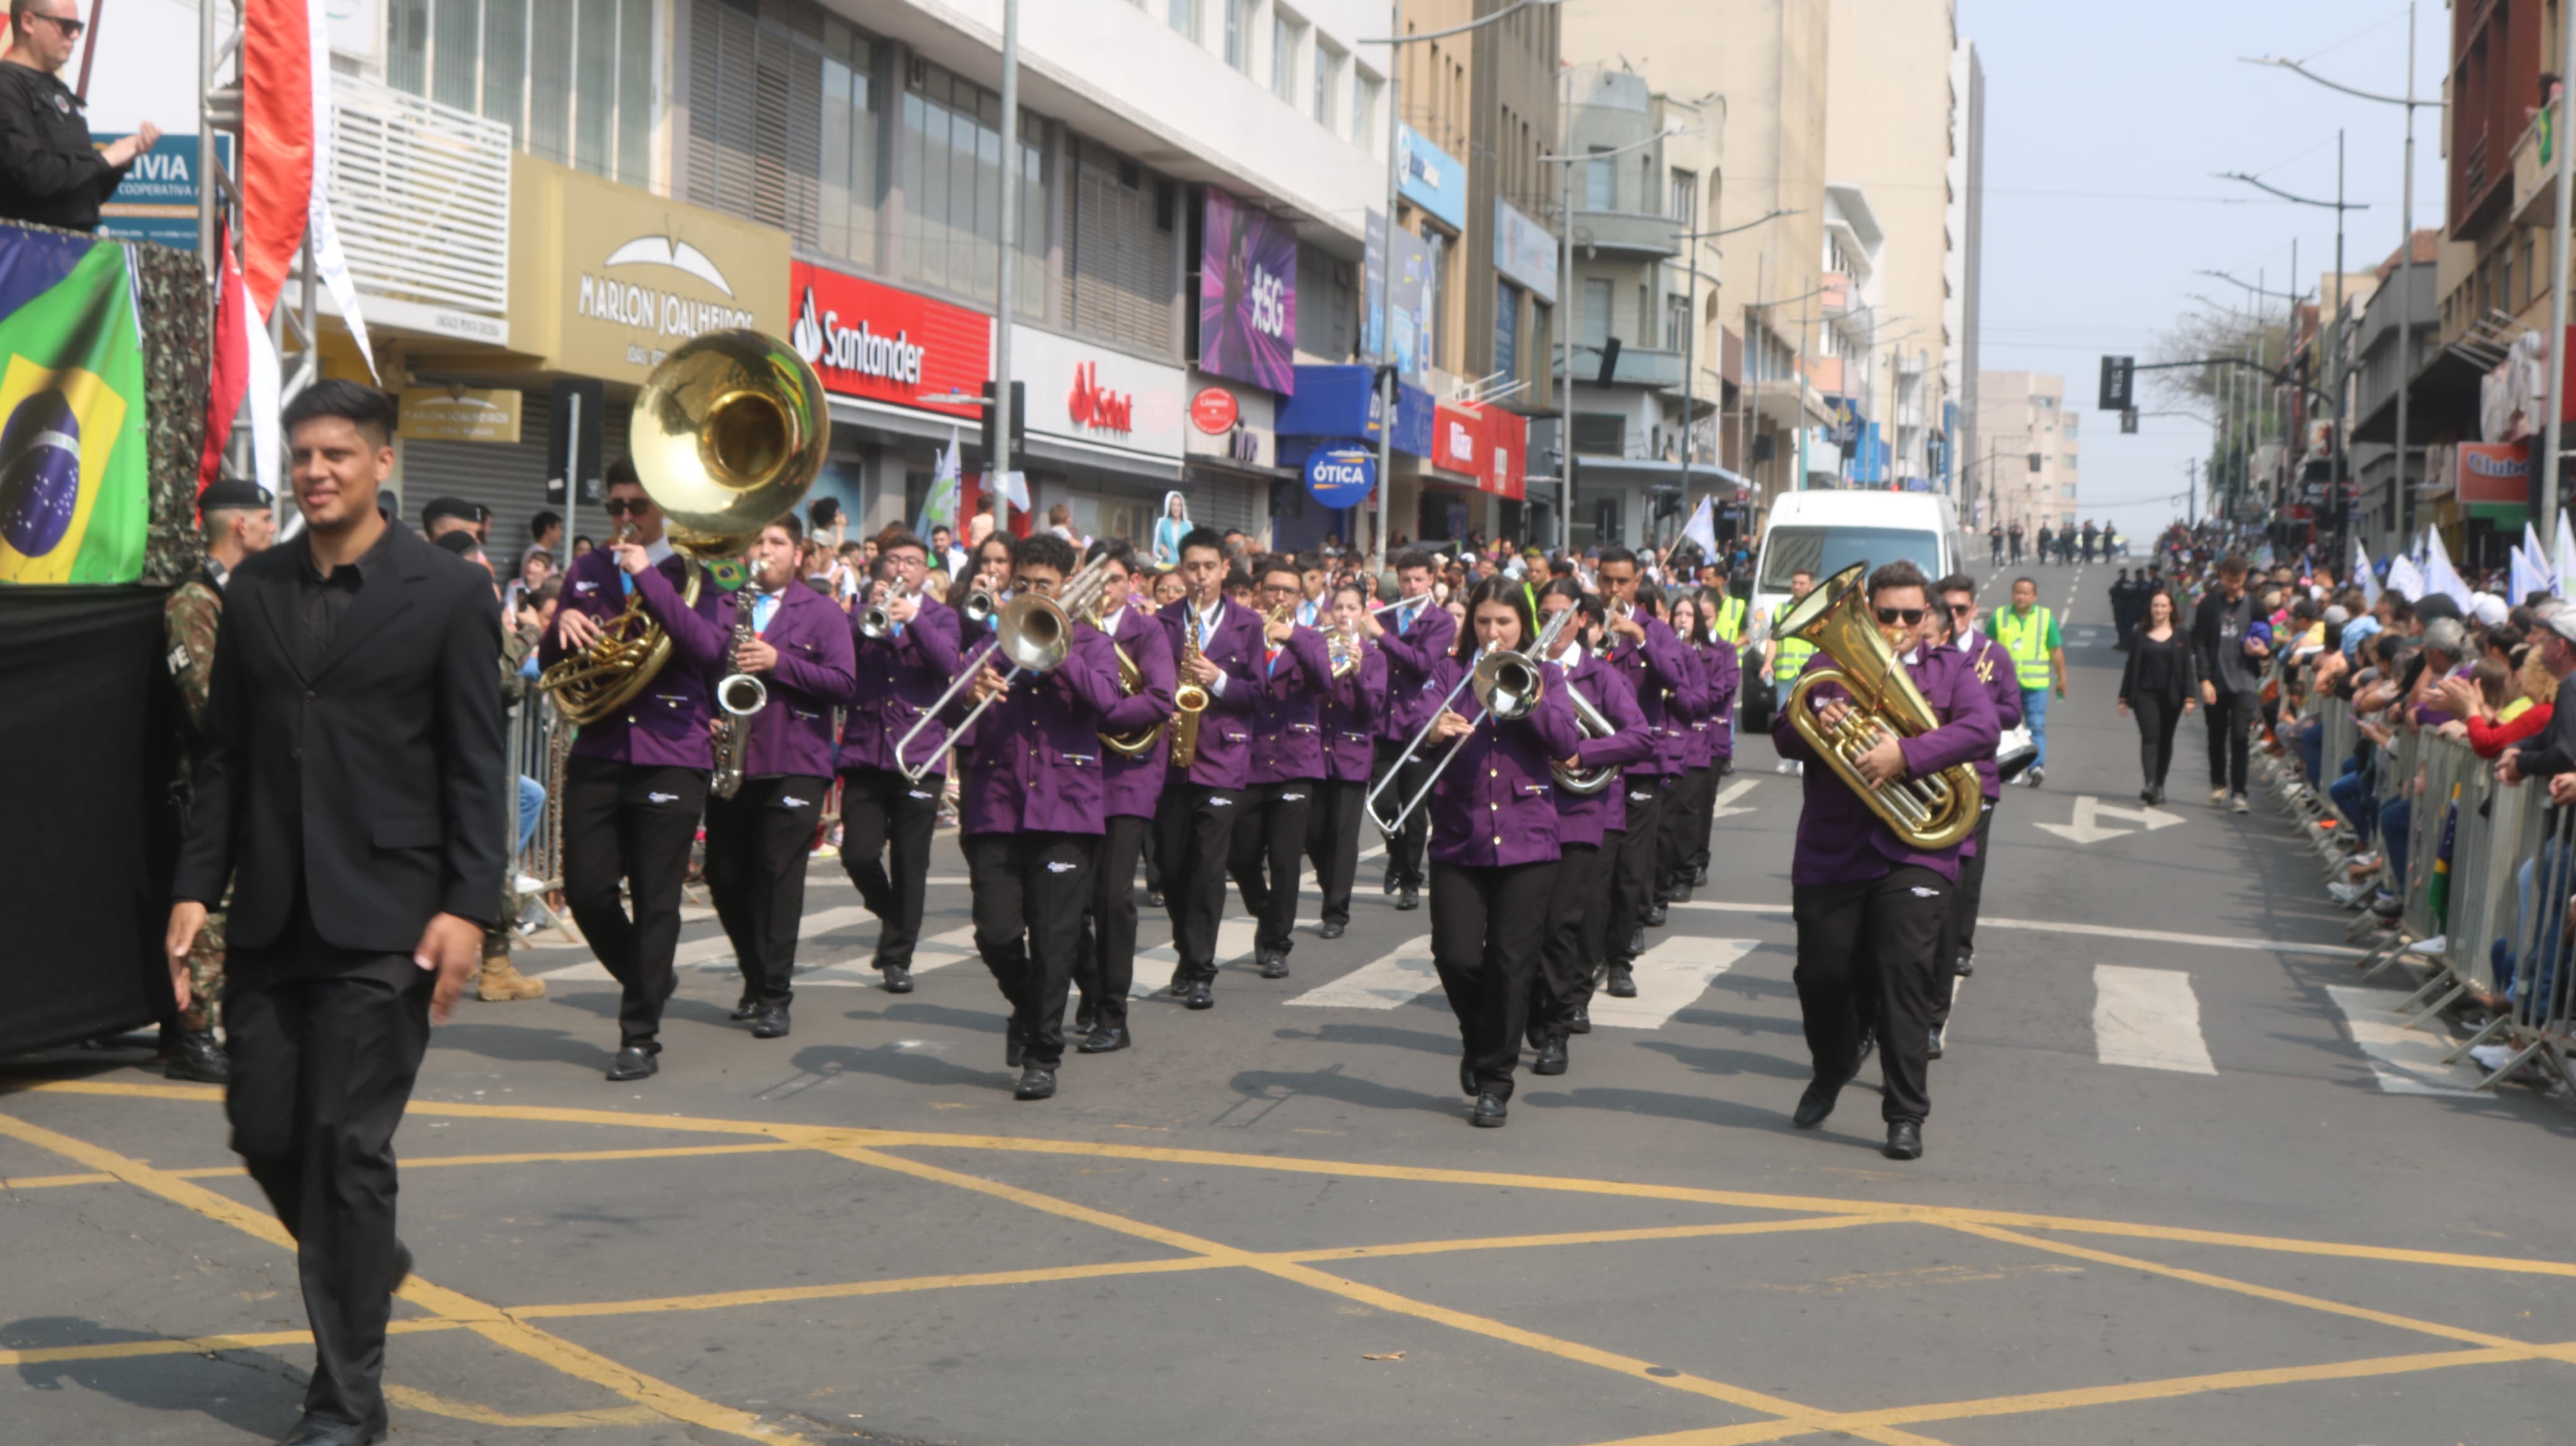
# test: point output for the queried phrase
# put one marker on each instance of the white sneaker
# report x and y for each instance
(2236, 803)
(1786, 766)
(2218, 797)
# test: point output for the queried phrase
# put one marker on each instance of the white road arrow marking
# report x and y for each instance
(2087, 828)
(1730, 794)
(2148, 1019)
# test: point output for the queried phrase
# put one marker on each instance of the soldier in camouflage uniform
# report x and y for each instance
(238, 522)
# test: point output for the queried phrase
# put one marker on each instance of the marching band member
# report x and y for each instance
(1648, 654)
(1686, 737)
(1578, 905)
(1870, 908)
(887, 819)
(1992, 663)
(759, 839)
(1287, 766)
(1348, 721)
(637, 779)
(1722, 678)
(1420, 635)
(1105, 967)
(1220, 645)
(1029, 819)
(1494, 852)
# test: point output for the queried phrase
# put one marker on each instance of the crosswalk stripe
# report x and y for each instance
(2407, 1061)
(2148, 1019)
(1395, 979)
(1670, 977)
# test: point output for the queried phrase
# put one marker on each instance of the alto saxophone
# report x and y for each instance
(1189, 700)
(738, 696)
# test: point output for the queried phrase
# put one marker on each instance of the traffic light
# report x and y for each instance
(2128, 420)
(1019, 419)
(2119, 383)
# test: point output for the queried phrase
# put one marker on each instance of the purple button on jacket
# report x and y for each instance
(1036, 768)
(897, 678)
(1840, 841)
(1350, 717)
(1287, 736)
(1410, 657)
(664, 726)
(1582, 818)
(1225, 729)
(1495, 805)
(1132, 785)
(813, 675)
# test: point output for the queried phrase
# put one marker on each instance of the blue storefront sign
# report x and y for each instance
(1341, 474)
(157, 201)
(1333, 404)
(1430, 178)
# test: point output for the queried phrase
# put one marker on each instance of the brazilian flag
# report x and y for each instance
(75, 484)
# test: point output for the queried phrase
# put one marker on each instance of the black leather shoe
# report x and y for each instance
(1333, 929)
(1392, 883)
(1580, 1021)
(195, 1055)
(1904, 1141)
(1037, 1082)
(1551, 1058)
(1408, 900)
(1015, 1044)
(1816, 1103)
(1967, 965)
(1086, 1019)
(1636, 942)
(1274, 963)
(316, 1431)
(1202, 995)
(1467, 1077)
(1868, 1042)
(770, 1022)
(1491, 1112)
(1653, 918)
(1153, 898)
(744, 1008)
(1682, 892)
(1699, 877)
(1932, 1050)
(898, 979)
(634, 1062)
(1623, 983)
(1107, 1039)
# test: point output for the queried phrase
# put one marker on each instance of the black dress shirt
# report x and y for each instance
(49, 172)
(323, 601)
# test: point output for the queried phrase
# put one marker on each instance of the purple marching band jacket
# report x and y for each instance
(1132, 785)
(896, 678)
(1840, 841)
(1715, 727)
(665, 725)
(1993, 666)
(1349, 718)
(1658, 672)
(1035, 765)
(813, 675)
(1582, 818)
(1413, 646)
(1235, 645)
(1287, 739)
(1495, 805)
(1681, 742)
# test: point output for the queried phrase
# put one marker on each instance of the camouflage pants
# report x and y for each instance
(205, 972)
(505, 924)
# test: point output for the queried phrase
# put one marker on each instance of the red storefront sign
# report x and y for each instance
(2493, 472)
(1214, 411)
(1488, 444)
(865, 339)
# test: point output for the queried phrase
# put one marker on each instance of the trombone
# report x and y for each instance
(1508, 685)
(1035, 633)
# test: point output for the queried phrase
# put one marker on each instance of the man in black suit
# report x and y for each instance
(352, 790)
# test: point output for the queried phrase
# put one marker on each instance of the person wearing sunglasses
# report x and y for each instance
(1869, 906)
(50, 174)
(1993, 668)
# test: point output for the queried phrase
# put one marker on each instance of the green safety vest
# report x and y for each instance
(2027, 640)
(1730, 619)
(1791, 659)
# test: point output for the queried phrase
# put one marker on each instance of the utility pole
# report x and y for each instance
(2554, 434)
(2406, 293)
(1005, 293)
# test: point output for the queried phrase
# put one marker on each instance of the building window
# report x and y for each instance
(1600, 183)
(846, 223)
(786, 125)
(952, 161)
(1287, 37)
(1327, 85)
(1507, 329)
(1676, 321)
(1121, 251)
(1184, 15)
(572, 79)
(1238, 34)
(1686, 198)
(1596, 312)
(1600, 434)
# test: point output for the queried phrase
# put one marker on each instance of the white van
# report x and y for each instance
(1823, 532)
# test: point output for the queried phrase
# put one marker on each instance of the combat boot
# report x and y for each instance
(501, 981)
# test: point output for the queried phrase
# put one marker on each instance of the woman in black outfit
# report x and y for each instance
(2159, 685)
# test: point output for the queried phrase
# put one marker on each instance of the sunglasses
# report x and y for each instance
(1965, 607)
(626, 506)
(71, 29)
(1907, 616)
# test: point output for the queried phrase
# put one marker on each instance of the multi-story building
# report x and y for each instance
(1965, 222)
(2028, 470)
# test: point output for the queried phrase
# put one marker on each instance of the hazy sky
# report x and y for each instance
(2105, 126)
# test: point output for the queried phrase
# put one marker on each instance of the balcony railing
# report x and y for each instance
(1627, 233)
(421, 192)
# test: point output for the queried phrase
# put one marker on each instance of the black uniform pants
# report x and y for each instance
(1685, 830)
(757, 844)
(1404, 847)
(885, 813)
(1959, 925)
(1267, 856)
(2231, 720)
(1105, 966)
(1195, 825)
(1030, 889)
(1577, 911)
(1333, 843)
(325, 1045)
(2158, 717)
(1865, 956)
(631, 823)
(1486, 927)
(1632, 874)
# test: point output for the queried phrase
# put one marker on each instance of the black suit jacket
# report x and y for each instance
(384, 768)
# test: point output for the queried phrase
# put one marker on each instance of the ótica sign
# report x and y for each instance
(1341, 476)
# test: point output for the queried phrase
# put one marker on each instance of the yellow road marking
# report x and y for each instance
(1581, 1237)
(197, 1345)
(484, 1320)
(723, 1300)
(418, 1400)
(432, 1162)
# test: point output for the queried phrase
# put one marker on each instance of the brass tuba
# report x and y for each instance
(1930, 813)
(728, 433)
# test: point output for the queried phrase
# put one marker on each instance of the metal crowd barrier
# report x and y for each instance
(539, 742)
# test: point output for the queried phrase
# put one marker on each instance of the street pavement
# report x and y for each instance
(2185, 1181)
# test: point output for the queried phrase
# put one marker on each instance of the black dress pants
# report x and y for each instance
(1030, 889)
(1333, 843)
(757, 844)
(325, 1045)
(631, 823)
(1195, 826)
(1486, 927)
(883, 812)
(1105, 964)
(1704, 803)
(1959, 924)
(1865, 957)
(1267, 856)
(2231, 720)
(1577, 910)
(1404, 848)
(2157, 718)
(1681, 816)
(1632, 875)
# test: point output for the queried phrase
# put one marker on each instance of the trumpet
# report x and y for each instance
(1034, 633)
(1508, 686)
(875, 621)
(981, 604)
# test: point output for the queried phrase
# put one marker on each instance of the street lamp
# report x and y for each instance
(1690, 332)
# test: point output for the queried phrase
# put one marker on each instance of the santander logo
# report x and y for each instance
(1096, 407)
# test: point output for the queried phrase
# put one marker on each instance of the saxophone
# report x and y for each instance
(1189, 700)
(738, 696)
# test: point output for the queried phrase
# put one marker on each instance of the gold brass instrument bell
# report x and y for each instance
(1930, 813)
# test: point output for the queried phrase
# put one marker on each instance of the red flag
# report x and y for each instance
(231, 377)
(277, 167)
